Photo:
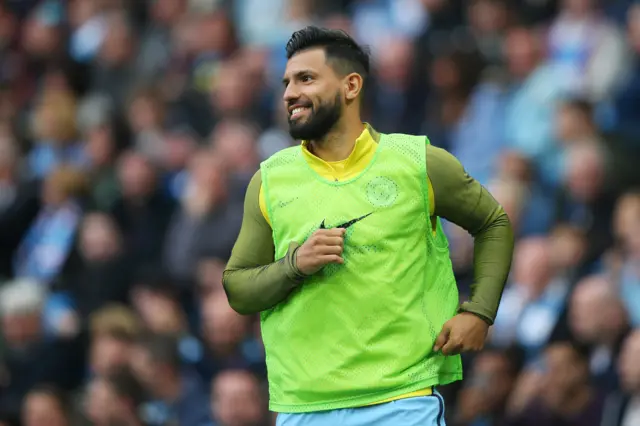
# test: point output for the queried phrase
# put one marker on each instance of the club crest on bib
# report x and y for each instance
(382, 191)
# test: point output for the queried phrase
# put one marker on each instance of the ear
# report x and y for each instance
(352, 86)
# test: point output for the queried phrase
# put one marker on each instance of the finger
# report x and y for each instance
(442, 339)
(324, 250)
(324, 240)
(452, 348)
(331, 232)
(331, 258)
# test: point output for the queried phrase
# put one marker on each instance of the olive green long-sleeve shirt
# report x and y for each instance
(255, 281)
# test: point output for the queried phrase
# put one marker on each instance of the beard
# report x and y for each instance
(320, 121)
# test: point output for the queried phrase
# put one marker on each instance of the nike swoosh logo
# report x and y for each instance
(286, 203)
(347, 224)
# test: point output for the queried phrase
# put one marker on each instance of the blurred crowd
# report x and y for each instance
(129, 131)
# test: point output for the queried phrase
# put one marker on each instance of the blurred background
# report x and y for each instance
(129, 130)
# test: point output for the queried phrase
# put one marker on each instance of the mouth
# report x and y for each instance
(297, 111)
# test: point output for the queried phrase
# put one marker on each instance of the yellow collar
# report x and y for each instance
(363, 151)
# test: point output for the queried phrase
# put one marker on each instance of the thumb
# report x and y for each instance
(442, 337)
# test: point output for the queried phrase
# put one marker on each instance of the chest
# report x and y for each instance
(376, 208)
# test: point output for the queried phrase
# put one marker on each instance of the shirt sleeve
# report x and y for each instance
(253, 279)
(462, 200)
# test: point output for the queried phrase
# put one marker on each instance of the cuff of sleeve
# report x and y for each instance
(293, 273)
(479, 311)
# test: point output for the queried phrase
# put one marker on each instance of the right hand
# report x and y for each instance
(323, 247)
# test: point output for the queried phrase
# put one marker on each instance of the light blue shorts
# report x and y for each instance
(416, 411)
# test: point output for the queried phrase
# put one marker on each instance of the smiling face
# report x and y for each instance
(313, 95)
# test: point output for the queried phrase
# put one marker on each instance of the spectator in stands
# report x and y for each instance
(42, 35)
(225, 336)
(156, 44)
(630, 379)
(576, 126)
(234, 94)
(103, 274)
(531, 306)
(627, 229)
(115, 74)
(180, 142)
(142, 212)
(237, 399)
(19, 200)
(235, 143)
(27, 357)
(563, 394)
(627, 100)
(484, 396)
(104, 136)
(585, 201)
(157, 302)
(56, 132)
(147, 116)
(49, 242)
(513, 195)
(46, 406)
(114, 330)
(210, 272)
(587, 51)
(177, 395)
(568, 247)
(114, 399)
(597, 318)
(206, 224)
(532, 103)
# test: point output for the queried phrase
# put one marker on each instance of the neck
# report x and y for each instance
(577, 402)
(612, 336)
(338, 144)
(170, 390)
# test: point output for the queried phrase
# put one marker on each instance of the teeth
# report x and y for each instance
(297, 110)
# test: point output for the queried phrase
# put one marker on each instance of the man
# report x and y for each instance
(177, 395)
(629, 409)
(560, 392)
(342, 252)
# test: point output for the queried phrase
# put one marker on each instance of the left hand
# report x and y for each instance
(463, 333)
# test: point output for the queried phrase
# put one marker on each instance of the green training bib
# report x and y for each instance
(360, 332)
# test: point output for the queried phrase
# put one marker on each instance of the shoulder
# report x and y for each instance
(441, 159)
(282, 155)
(254, 189)
(405, 145)
(445, 171)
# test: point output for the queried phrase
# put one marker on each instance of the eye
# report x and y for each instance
(306, 79)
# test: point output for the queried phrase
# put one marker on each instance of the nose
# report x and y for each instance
(291, 93)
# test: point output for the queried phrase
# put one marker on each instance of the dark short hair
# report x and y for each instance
(126, 385)
(162, 349)
(582, 105)
(156, 279)
(343, 53)
(580, 351)
(61, 398)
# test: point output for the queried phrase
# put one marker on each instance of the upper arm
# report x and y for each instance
(263, 205)
(458, 197)
(254, 246)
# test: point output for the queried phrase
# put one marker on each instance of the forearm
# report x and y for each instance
(493, 248)
(253, 280)
(462, 200)
(254, 289)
